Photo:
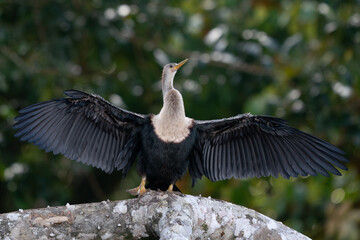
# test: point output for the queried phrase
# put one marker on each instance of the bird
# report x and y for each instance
(87, 128)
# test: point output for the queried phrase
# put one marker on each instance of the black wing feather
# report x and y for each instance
(255, 146)
(83, 127)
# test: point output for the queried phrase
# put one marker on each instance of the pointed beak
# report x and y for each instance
(180, 64)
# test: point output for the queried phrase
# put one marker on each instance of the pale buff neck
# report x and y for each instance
(171, 124)
(173, 106)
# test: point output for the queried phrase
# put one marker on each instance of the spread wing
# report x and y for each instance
(254, 146)
(83, 127)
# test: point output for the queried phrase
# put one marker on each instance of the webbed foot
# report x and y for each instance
(171, 187)
(140, 190)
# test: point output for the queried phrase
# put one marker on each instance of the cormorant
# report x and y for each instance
(87, 128)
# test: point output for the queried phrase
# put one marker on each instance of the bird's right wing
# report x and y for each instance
(83, 127)
(255, 146)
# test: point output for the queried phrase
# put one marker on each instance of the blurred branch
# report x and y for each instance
(16, 59)
(224, 60)
(244, 67)
(155, 214)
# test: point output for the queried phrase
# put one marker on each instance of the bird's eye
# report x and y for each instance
(171, 66)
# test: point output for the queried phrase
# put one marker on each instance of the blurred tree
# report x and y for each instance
(298, 60)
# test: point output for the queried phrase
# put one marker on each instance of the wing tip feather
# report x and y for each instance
(75, 93)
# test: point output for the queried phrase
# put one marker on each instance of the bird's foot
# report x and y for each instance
(171, 190)
(140, 190)
(171, 187)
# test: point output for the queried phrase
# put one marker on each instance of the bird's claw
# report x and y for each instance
(170, 189)
(138, 191)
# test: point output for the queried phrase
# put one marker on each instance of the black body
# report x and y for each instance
(86, 128)
(163, 163)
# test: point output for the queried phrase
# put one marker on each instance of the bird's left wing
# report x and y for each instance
(82, 127)
(254, 146)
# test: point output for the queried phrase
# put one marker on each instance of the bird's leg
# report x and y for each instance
(170, 189)
(140, 190)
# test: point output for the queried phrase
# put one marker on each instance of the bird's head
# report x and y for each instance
(168, 75)
(173, 67)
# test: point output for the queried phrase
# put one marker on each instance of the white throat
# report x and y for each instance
(171, 124)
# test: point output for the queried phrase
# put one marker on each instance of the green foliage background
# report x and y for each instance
(298, 60)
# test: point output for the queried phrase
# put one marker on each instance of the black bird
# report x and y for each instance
(86, 128)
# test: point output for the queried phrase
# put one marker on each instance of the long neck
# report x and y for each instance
(171, 124)
(167, 82)
(173, 107)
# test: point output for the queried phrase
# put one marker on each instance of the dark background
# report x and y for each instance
(298, 60)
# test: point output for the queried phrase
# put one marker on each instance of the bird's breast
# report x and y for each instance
(173, 130)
